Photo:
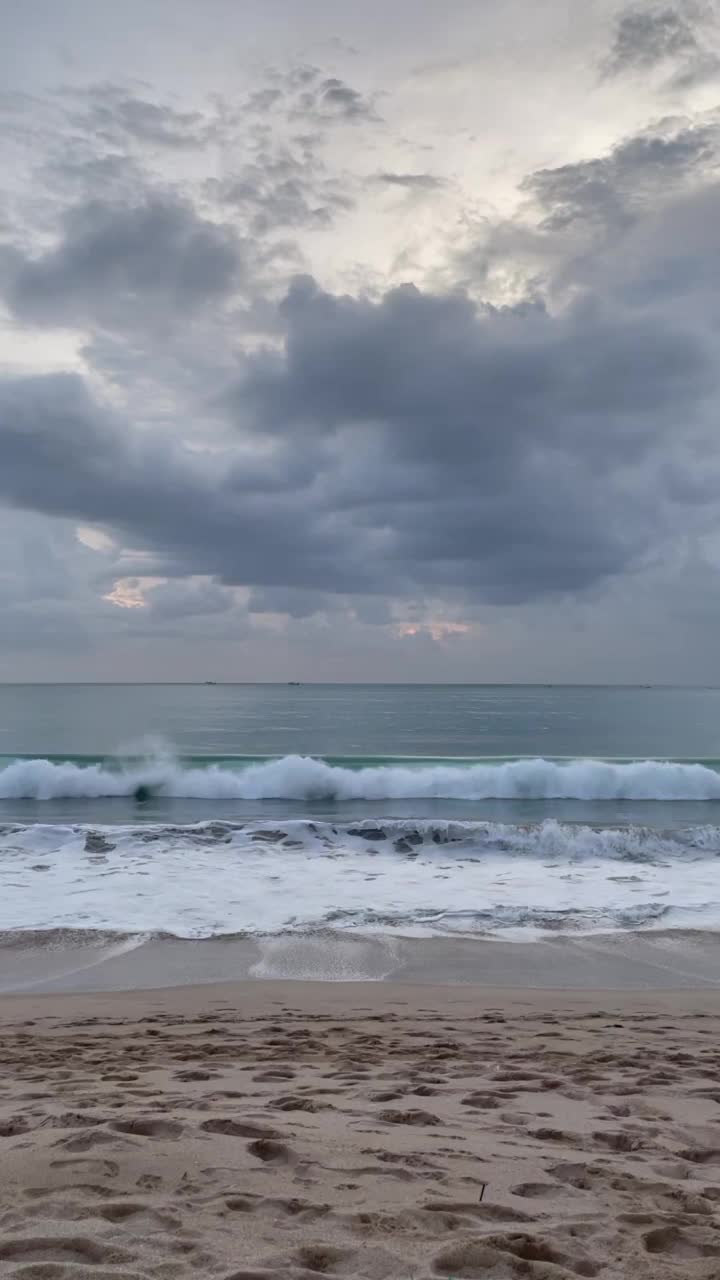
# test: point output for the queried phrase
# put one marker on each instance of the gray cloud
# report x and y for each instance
(640, 171)
(668, 36)
(173, 601)
(421, 444)
(293, 601)
(77, 175)
(132, 262)
(410, 181)
(335, 98)
(445, 374)
(224, 514)
(645, 36)
(631, 223)
(119, 117)
(386, 455)
(703, 67)
(305, 94)
(283, 189)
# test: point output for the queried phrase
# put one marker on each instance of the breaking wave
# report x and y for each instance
(305, 778)
(396, 876)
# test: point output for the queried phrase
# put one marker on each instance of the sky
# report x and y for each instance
(360, 342)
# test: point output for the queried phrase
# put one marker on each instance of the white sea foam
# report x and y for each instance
(392, 877)
(304, 778)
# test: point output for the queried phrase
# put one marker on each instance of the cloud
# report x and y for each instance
(645, 36)
(524, 428)
(335, 98)
(621, 217)
(128, 262)
(667, 36)
(282, 189)
(305, 94)
(295, 602)
(198, 513)
(120, 117)
(417, 443)
(439, 374)
(77, 175)
(640, 171)
(410, 181)
(175, 601)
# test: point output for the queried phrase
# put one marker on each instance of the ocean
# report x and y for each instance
(380, 813)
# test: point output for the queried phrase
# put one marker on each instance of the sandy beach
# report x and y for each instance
(259, 1130)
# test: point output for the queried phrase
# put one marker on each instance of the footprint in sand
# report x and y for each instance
(478, 1257)
(129, 1211)
(238, 1128)
(538, 1190)
(271, 1152)
(252, 1273)
(76, 1249)
(485, 1101)
(677, 1243)
(478, 1212)
(620, 1141)
(86, 1139)
(292, 1103)
(14, 1126)
(322, 1257)
(581, 1176)
(414, 1117)
(88, 1165)
(149, 1128)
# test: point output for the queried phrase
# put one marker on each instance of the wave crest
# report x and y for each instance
(305, 778)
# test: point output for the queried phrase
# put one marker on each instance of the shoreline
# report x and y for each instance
(66, 961)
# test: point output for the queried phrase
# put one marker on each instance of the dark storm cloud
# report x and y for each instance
(421, 444)
(441, 376)
(410, 445)
(124, 260)
(203, 514)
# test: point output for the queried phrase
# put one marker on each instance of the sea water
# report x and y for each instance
(212, 811)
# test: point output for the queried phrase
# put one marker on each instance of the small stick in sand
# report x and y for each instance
(482, 1193)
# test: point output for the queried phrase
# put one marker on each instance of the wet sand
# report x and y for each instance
(67, 960)
(295, 1129)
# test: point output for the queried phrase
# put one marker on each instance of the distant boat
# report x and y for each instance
(294, 683)
(211, 682)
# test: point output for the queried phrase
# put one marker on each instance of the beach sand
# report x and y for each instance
(294, 1129)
